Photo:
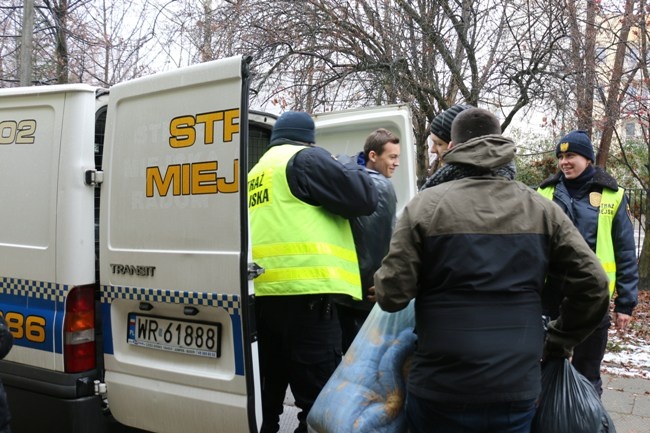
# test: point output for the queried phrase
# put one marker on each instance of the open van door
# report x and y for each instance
(345, 132)
(174, 253)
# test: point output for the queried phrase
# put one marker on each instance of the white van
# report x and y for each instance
(125, 268)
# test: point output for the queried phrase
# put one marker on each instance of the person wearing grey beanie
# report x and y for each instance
(598, 207)
(440, 135)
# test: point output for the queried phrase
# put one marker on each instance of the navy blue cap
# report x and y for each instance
(294, 126)
(577, 142)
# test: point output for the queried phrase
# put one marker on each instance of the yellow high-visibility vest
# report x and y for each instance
(609, 204)
(303, 249)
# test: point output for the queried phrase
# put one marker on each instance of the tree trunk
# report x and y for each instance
(62, 55)
(644, 257)
(613, 105)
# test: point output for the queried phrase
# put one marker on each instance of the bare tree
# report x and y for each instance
(98, 42)
(115, 41)
(583, 59)
(617, 85)
(635, 102)
(10, 36)
(321, 55)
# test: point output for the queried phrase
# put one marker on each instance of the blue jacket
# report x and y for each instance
(585, 218)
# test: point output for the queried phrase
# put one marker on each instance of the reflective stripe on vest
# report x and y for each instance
(609, 204)
(303, 249)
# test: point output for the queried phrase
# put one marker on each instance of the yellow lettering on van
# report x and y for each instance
(182, 132)
(230, 128)
(154, 177)
(204, 177)
(191, 179)
(208, 119)
(31, 328)
(187, 178)
(230, 187)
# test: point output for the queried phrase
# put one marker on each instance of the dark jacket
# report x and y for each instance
(372, 233)
(6, 338)
(474, 253)
(585, 218)
(6, 342)
(316, 177)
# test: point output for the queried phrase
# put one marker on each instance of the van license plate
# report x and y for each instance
(173, 335)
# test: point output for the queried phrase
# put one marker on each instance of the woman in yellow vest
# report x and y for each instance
(599, 209)
(300, 199)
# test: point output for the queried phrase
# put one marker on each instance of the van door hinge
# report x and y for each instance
(93, 177)
(102, 391)
(254, 270)
(100, 388)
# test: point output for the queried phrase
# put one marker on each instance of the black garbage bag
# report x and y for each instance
(569, 403)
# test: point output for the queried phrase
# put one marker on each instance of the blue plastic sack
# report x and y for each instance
(366, 392)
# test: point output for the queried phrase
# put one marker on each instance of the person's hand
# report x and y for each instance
(371, 294)
(621, 321)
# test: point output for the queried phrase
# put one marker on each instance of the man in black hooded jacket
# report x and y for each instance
(474, 251)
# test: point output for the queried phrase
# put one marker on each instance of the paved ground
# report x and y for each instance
(627, 401)
(288, 420)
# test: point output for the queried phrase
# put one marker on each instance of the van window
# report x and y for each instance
(258, 141)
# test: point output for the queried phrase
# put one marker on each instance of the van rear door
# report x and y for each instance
(345, 132)
(174, 252)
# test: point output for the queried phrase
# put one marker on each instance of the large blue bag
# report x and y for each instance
(366, 392)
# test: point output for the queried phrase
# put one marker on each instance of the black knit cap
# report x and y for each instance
(441, 124)
(293, 126)
(577, 142)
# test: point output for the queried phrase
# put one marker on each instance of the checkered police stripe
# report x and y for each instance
(33, 289)
(229, 302)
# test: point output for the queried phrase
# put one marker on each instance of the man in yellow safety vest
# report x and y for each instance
(300, 200)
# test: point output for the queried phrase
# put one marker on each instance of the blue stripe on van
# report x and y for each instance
(29, 303)
(229, 302)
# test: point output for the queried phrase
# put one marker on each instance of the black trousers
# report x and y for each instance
(4, 411)
(352, 320)
(299, 346)
(588, 355)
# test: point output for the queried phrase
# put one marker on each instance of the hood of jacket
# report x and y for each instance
(488, 151)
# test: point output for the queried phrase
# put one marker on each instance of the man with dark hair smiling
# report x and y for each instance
(371, 233)
(474, 251)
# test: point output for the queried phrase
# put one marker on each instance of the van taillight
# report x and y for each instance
(79, 330)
